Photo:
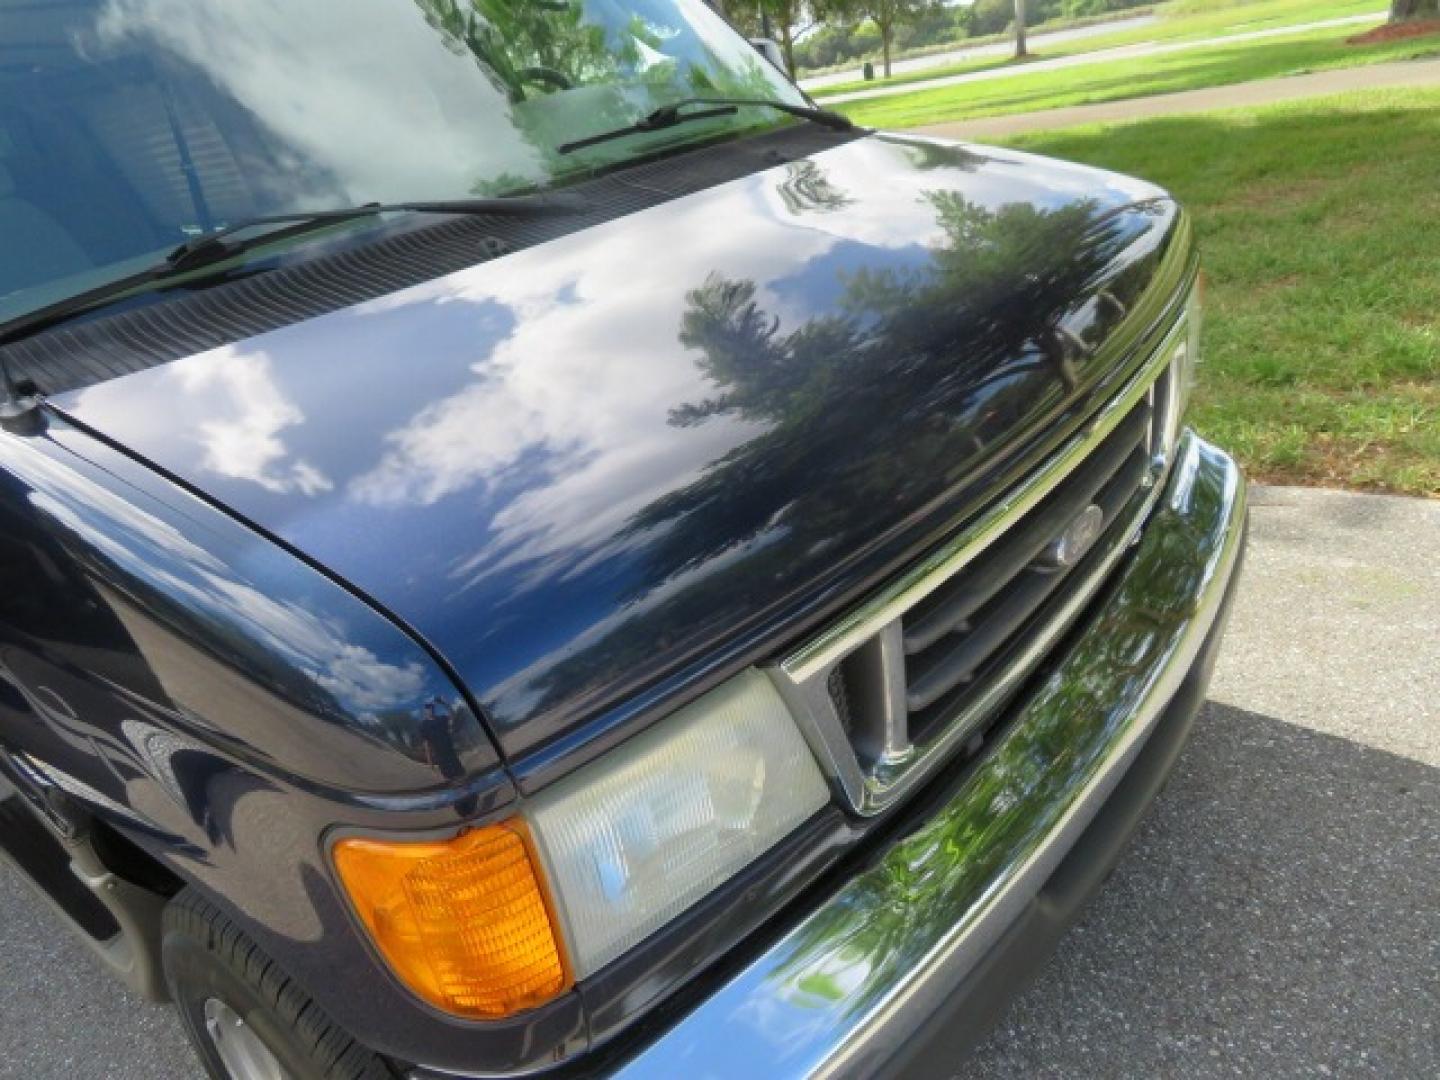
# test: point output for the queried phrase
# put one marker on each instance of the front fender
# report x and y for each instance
(225, 704)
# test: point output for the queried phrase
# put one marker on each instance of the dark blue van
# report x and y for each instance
(530, 548)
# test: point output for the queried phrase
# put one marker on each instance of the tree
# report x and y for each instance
(1020, 51)
(1408, 10)
(887, 15)
(788, 19)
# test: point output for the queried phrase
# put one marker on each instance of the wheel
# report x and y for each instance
(245, 1017)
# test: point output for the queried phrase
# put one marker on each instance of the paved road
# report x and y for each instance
(1277, 915)
(1099, 56)
(1038, 43)
(1404, 73)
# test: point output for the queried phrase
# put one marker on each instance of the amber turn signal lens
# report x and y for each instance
(463, 922)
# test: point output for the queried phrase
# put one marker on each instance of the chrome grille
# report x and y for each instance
(924, 667)
(964, 628)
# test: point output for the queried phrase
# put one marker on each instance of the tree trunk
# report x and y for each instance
(787, 46)
(1404, 10)
(1020, 51)
(886, 33)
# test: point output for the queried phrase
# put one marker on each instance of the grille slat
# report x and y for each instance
(944, 612)
(942, 670)
(927, 666)
(955, 635)
(995, 629)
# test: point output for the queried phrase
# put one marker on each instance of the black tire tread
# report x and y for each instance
(337, 1053)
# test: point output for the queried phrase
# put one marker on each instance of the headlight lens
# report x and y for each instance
(634, 839)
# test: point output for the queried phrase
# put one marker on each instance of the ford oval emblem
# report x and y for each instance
(1079, 537)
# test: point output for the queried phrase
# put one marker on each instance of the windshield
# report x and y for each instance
(130, 126)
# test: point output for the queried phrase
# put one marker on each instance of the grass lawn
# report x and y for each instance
(1181, 20)
(1320, 227)
(931, 48)
(1211, 65)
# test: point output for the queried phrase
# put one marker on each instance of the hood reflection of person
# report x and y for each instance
(439, 737)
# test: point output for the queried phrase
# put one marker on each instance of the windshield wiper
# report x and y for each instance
(213, 246)
(669, 115)
(221, 246)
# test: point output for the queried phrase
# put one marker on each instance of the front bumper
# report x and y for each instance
(903, 957)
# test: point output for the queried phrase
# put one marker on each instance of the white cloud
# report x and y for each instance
(228, 402)
(241, 437)
(582, 387)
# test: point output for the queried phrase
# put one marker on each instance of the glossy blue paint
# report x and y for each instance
(570, 485)
(195, 623)
(592, 468)
(227, 707)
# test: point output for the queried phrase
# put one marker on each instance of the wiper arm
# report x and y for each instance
(216, 247)
(213, 246)
(672, 114)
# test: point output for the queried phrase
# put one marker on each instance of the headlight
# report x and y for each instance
(634, 839)
(479, 923)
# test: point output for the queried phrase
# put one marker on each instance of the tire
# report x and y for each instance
(210, 964)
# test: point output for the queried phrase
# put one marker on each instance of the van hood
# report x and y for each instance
(595, 472)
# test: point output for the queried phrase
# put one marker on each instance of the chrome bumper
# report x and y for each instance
(845, 989)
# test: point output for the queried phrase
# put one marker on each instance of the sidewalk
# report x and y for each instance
(1405, 73)
(1337, 626)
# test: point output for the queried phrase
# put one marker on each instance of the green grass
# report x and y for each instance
(1317, 222)
(1181, 22)
(940, 46)
(1214, 65)
(1217, 65)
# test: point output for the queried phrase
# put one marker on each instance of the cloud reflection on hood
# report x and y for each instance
(142, 545)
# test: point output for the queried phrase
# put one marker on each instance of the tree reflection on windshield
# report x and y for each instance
(130, 126)
(533, 44)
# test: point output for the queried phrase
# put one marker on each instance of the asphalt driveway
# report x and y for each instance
(1278, 914)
